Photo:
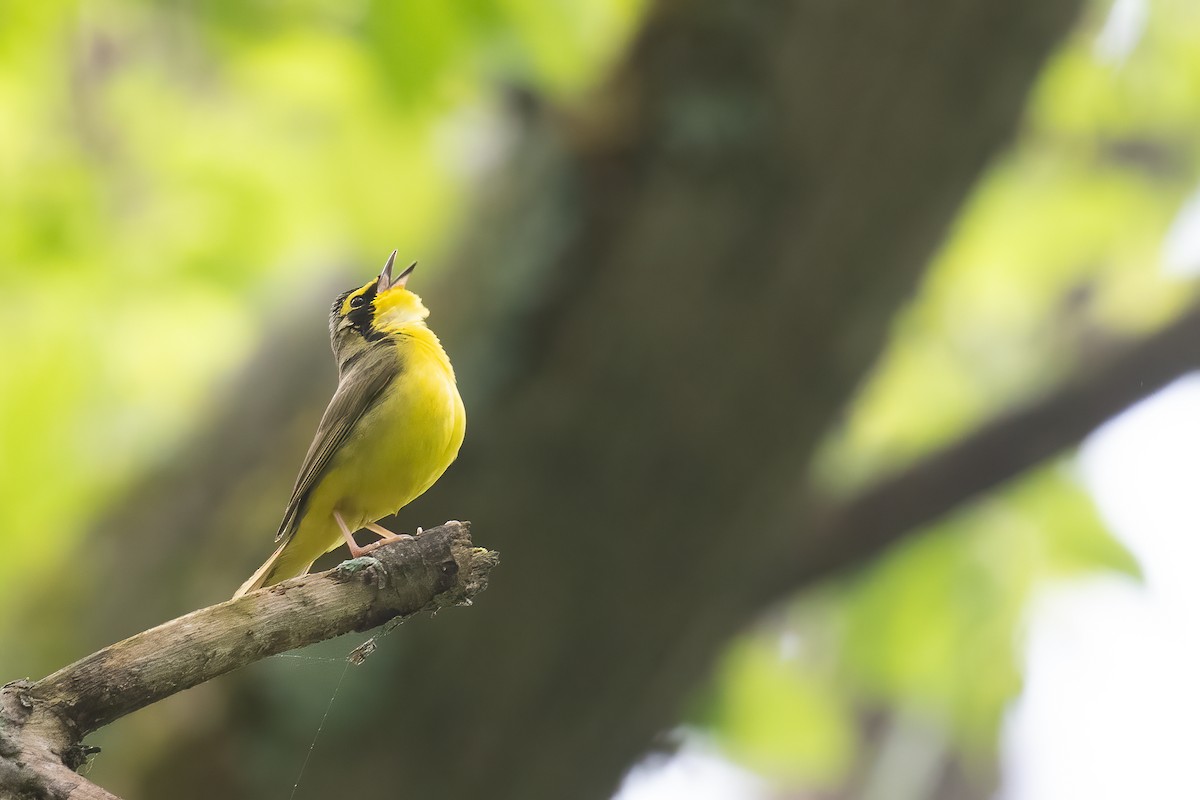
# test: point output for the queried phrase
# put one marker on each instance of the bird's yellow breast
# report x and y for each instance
(399, 448)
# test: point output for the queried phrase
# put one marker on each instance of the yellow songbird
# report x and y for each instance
(393, 426)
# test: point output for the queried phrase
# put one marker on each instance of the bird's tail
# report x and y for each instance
(284, 563)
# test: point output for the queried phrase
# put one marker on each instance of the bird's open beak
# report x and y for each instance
(385, 277)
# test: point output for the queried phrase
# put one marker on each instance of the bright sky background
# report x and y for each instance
(697, 772)
(1112, 702)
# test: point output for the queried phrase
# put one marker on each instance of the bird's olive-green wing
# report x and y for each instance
(358, 391)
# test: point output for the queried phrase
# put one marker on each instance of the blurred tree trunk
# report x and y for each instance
(661, 306)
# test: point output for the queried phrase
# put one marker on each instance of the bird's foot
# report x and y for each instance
(385, 535)
(357, 550)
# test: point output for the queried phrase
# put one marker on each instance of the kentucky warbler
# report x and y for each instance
(393, 426)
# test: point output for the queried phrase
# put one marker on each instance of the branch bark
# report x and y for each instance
(43, 724)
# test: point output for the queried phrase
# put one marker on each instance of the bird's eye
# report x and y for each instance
(356, 302)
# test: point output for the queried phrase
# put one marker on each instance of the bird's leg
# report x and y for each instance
(386, 535)
(355, 550)
(348, 535)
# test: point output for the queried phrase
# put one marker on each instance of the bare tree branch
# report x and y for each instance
(998, 451)
(42, 724)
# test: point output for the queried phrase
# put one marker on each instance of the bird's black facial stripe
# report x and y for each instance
(363, 314)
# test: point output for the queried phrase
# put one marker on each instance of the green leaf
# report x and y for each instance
(779, 716)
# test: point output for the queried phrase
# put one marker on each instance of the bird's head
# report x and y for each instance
(369, 313)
